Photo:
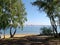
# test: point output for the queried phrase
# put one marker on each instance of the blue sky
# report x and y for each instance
(34, 16)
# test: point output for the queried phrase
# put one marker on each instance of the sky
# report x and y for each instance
(34, 15)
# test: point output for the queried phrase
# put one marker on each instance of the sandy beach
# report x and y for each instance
(17, 35)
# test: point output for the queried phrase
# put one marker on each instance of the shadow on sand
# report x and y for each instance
(30, 40)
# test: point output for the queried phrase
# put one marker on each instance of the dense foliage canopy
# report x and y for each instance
(50, 8)
(12, 14)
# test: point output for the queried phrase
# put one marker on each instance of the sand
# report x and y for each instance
(17, 35)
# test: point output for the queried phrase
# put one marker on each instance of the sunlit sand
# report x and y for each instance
(17, 35)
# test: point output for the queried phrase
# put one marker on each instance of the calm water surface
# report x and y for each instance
(29, 29)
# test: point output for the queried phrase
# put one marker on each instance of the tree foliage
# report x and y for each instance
(49, 7)
(12, 14)
(18, 15)
(46, 30)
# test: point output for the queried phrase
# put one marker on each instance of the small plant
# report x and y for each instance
(46, 30)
